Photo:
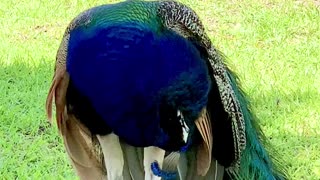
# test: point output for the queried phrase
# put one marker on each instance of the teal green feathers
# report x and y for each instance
(256, 162)
(114, 14)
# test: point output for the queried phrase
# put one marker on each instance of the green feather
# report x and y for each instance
(255, 161)
(136, 11)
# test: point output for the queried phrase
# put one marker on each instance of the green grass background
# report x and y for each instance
(274, 46)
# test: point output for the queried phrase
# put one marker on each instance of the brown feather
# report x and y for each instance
(81, 149)
(58, 92)
(203, 124)
(60, 98)
(76, 143)
(59, 85)
(49, 100)
(188, 167)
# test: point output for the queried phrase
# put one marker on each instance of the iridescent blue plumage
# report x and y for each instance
(145, 71)
(128, 71)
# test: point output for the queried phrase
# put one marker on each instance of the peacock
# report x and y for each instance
(140, 92)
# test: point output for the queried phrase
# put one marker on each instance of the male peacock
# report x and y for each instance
(140, 85)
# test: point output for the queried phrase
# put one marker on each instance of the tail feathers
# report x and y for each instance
(57, 93)
(203, 124)
(82, 150)
(170, 162)
(79, 144)
(256, 163)
(187, 167)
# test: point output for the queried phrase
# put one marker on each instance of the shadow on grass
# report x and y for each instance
(29, 146)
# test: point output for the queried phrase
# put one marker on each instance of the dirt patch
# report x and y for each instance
(315, 3)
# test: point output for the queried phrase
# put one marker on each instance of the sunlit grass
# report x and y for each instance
(272, 44)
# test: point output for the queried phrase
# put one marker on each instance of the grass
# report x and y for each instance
(272, 44)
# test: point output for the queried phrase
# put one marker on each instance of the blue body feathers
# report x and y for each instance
(127, 70)
(133, 65)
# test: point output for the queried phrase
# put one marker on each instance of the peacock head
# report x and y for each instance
(180, 106)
